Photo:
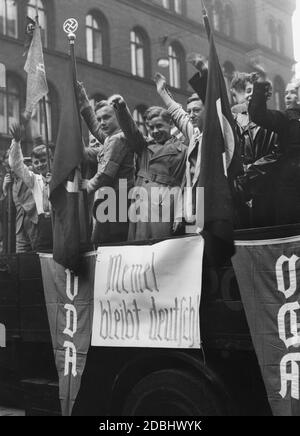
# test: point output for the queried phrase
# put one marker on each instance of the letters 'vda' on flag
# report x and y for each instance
(219, 160)
(37, 86)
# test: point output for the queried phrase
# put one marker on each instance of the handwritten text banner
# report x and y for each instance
(149, 296)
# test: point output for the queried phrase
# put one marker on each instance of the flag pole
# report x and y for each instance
(44, 109)
(70, 27)
(46, 134)
(206, 19)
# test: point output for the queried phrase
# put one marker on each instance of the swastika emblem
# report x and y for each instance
(70, 25)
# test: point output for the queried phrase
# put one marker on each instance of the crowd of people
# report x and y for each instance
(265, 193)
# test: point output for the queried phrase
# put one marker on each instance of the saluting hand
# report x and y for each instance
(197, 60)
(161, 82)
(16, 132)
(116, 101)
(82, 95)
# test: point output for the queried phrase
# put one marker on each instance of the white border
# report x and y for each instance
(267, 241)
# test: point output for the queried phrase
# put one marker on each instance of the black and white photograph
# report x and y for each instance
(150, 211)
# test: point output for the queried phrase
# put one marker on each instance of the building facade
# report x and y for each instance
(119, 43)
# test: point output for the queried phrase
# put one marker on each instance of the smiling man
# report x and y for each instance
(160, 174)
(115, 162)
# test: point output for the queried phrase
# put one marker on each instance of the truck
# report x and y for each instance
(222, 378)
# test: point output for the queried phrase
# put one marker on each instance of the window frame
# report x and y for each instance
(11, 78)
(93, 31)
(272, 35)
(5, 19)
(103, 30)
(176, 80)
(43, 8)
(137, 53)
(228, 22)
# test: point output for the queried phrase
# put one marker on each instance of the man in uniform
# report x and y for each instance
(115, 163)
(162, 163)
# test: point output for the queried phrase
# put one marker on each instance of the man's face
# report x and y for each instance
(195, 110)
(159, 129)
(39, 164)
(107, 119)
(243, 96)
(291, 97)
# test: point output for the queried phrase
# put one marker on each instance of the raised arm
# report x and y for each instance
(260, 114)
(134, 136)
(199, 81)
(179, 116)
(16, 159)
(88, 114)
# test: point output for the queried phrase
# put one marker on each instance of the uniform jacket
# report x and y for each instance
(115, 162)
(115, 157)
(160, 166)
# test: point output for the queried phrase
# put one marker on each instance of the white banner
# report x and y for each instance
(149, 296)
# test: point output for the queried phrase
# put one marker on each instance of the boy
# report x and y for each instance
(37, 181)
(26, 213)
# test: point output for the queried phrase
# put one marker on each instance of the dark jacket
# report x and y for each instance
(285, 175)
(285, 123)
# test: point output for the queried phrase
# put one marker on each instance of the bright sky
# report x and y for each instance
(296, 27)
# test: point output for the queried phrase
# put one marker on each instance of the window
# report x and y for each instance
(38, 125)
(138, 116)
(281, 42)
(272, 35)
(38, 120)
(166, 4)
(217, 16)
(137, 54)
(228, 21)
(8, 18)
(176, 56)
(32, 7)
(94, 40)
(178, 6)
(10, 104)
(279, 90)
